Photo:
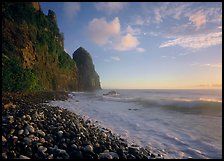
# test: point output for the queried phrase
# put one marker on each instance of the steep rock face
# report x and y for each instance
(33, 56)
(88, 77)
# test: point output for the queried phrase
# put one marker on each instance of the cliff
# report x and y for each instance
(33, 56)
(88, 77)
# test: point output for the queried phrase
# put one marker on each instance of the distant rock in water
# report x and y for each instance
(88, 77)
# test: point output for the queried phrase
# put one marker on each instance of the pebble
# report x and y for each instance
(11, 119)
(28, 117)
(23, 157)
(88, 148)
(105, 156)
(20, 132)
(4, 156)
(104, 135)
(30, 128)
(41, 132)
(4, 139)
(60, 134)
(26, 132)
(42, 149)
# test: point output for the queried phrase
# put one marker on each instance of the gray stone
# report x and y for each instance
(88, 148)
(4, 139)
(60, 133)
(23, 157)
(20, 132)
(30, 128)
(41, 132)
(4, 156)
(42, 149)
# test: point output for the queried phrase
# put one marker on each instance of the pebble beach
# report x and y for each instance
(33, 130)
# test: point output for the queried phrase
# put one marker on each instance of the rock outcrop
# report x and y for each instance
(88, 77)
(33, 56)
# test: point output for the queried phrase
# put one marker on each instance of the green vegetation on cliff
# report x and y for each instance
(33, 56)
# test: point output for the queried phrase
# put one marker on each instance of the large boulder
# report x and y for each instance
(88, 77)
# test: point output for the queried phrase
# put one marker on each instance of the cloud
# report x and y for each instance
(195, 42)
(101, 31)
(199, 19)
(71, 8)
(115, 58)
(213, 65)
(132, 31)
(105, 33)
(126, 42)
(110, 7)
(141, 50)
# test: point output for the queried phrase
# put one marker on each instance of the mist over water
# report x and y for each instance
(181, 123)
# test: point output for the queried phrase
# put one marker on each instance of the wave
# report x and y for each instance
(178, 103)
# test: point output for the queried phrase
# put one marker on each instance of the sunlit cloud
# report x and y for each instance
(199, 19)
(71, 8)
(101, 31)
(195, 42)
(115, 58)
(126, 42)
(110, 7)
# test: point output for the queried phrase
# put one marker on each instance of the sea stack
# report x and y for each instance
(88, 78)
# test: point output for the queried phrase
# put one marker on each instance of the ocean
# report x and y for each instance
(179, 123)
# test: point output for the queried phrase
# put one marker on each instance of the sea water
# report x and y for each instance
(179, 123)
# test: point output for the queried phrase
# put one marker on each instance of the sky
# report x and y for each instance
(146, 45)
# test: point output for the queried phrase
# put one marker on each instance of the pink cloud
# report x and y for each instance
(126, 42)
(199, 19)
(101, 31)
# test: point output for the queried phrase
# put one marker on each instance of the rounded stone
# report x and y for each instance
(30, 128)
(60, 133)
(23, 157)
(41, 133)
(88, 148)
(20, 132)
(104, 135)
(4, 156)
(42, 149)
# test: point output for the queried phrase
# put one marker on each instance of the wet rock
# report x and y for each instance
(23, 157)
(63, 153)
(28, 117)
(76, 155)
(30, 128)
(105, 156)
(26, 132)
(104, 135)
(4, 139)
(4, 156)
(50, 156)
(42, 149)
(10, 119)
(74, 146)
(88, 148)
(20, 132)
(41, 132)
(27, 140)
(60, 134)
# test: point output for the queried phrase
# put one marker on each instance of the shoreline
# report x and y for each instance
(32, 129)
